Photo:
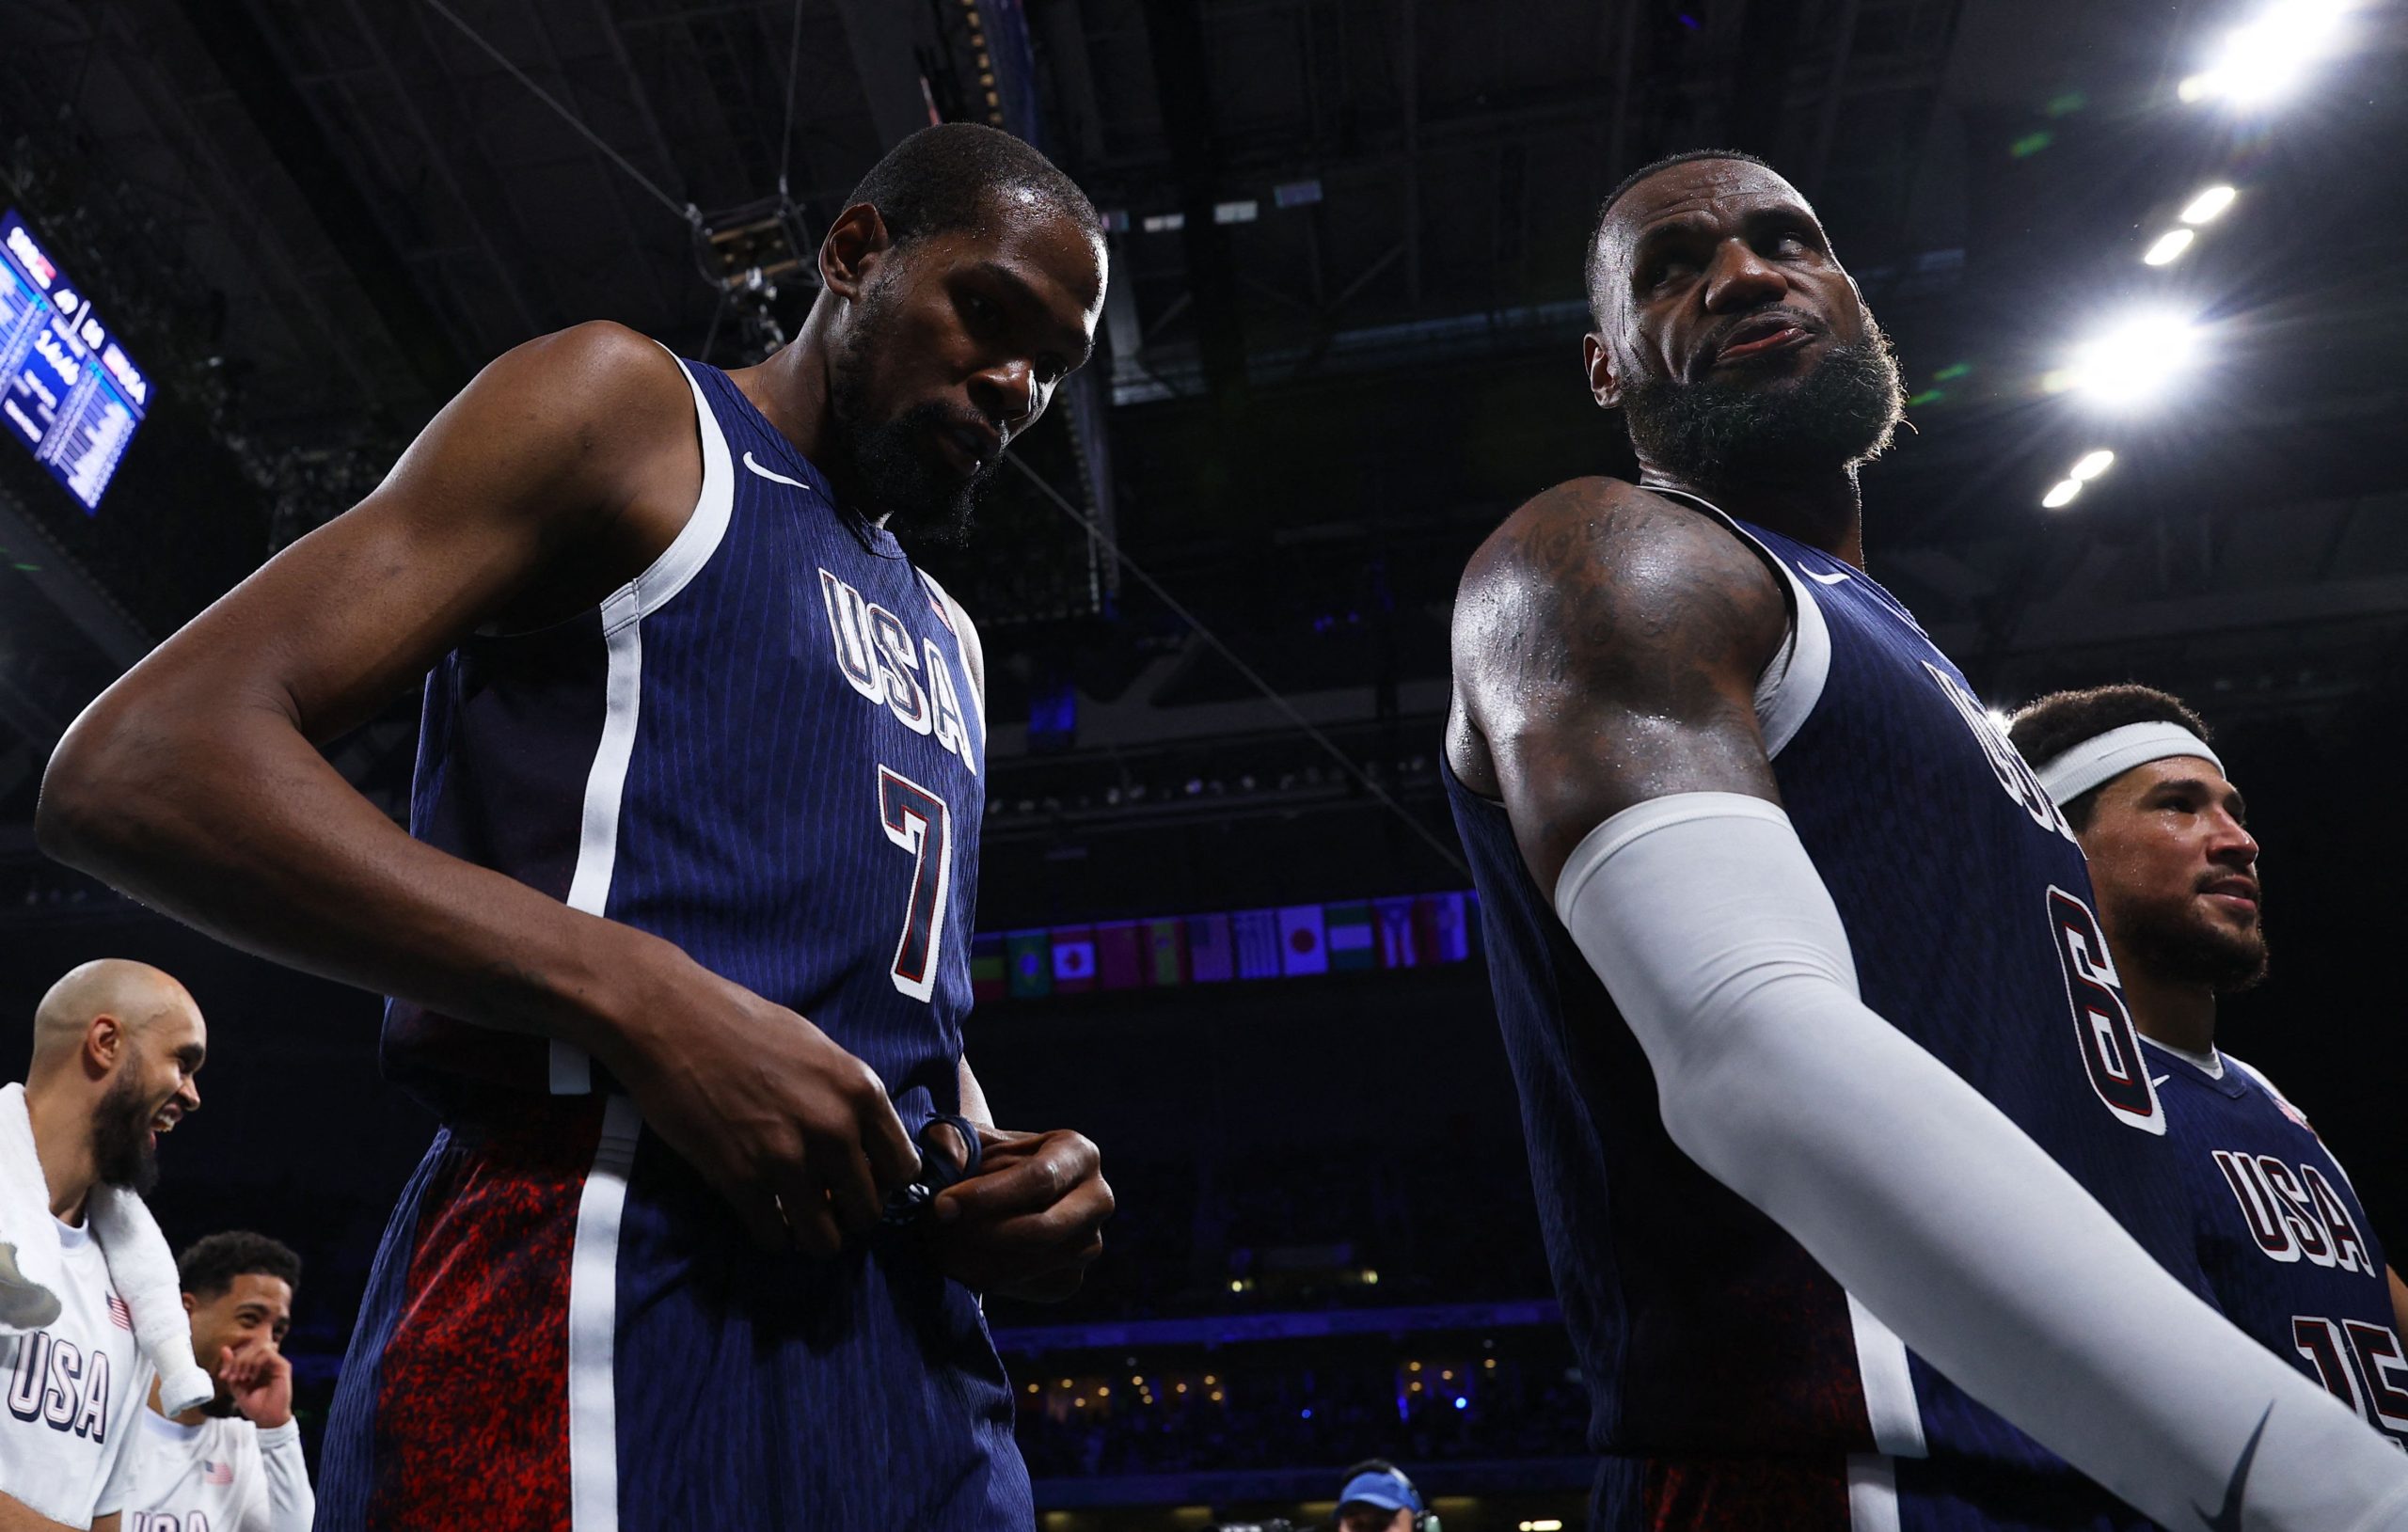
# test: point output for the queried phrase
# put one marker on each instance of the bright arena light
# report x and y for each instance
(2132, 363)
(2169, 244)
(2061, 493)
(2091, 464)
(2267, 58)
(2207, 204)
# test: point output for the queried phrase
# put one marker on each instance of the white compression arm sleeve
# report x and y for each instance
(1726, 957)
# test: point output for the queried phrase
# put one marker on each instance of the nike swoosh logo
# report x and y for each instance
(767, 474)
(1825, 580)
(2228, 1519)
(2156, 1080)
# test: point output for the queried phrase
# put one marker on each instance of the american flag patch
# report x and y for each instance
(119, 1315)
(216, 1472)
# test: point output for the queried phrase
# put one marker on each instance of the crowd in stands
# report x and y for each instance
(1233, 1413)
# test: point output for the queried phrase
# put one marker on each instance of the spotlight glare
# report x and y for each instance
(2207, 204)
(2130, 363)
(2091, 464)
(2263, 59)
(2169, 244)
(2062, 494)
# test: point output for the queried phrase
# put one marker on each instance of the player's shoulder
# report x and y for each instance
(598, 388)
(1598, 530)
(1597, 557)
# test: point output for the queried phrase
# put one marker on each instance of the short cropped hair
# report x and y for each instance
(209, 1266)
(2046, 729)
(946, 178)
(1595, 266)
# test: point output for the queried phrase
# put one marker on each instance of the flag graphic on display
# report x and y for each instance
(1030, 956)
(1165, 953)
(1449, 937)
(216, 1472)
(1117, 961)
(1397, 946)
(119, 1315)
(1073, 959)
(1211, 949)
(1347, 928)
(989, 972)
(1302, 946)
(1257, 933)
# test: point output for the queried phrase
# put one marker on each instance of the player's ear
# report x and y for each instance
(1605, 385)
(190, 1307)
(852, 248)
(105, 1042)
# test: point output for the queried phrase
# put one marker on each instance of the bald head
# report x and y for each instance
(135, 995)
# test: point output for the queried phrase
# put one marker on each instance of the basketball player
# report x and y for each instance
(116, 1047)
(233, 1464)
(2285, 1243)
(679, 946)
(1817, 1036)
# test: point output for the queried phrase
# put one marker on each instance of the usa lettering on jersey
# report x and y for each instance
(2006, 763)
(58, 1384)
(881, 659)
(2294, 1212)
(167, 1520)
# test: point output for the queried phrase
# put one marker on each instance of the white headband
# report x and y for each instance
(2107, 756)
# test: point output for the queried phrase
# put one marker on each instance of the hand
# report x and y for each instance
(797, 1135)
(261, 1381)
(1032, 1219)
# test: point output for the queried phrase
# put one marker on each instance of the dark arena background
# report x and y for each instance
(1222, 927)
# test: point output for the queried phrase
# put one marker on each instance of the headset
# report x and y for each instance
(1424, 1519)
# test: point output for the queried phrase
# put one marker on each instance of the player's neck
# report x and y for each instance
(63, 1139)
(1823, 510)
(790, 389)
(2180, 1014)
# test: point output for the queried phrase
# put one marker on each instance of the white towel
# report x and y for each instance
(140, 1265)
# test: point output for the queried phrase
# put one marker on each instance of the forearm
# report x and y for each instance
(291, 1504)
(1727, 960)
(222, 814)
(16, 1516)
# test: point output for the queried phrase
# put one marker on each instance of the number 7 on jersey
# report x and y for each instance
(918, 821)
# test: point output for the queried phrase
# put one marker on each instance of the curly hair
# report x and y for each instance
(209, 1266)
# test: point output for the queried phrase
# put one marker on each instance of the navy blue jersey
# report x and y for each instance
(2286, 1246)
(766, 748)
(1703, 1330)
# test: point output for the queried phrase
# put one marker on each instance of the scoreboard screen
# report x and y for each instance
(67, 391)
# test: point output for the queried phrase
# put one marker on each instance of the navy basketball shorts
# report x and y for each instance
(566, 1329)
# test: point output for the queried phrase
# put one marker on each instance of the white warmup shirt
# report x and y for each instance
(67, 1424)
(220, 1476)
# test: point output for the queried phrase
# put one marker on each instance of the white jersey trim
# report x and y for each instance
(1872, 1493)
(592, 1324)
(571, 1072)
(1889, 1402)
(1792, 683)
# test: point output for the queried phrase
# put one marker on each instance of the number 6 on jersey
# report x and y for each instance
(918, 821)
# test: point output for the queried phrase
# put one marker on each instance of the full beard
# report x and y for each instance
(2178, 944)
(1836, 416)
(121, 1148)
(895, 464)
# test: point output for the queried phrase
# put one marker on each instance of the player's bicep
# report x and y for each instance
(1610, 654)
(513, 469)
